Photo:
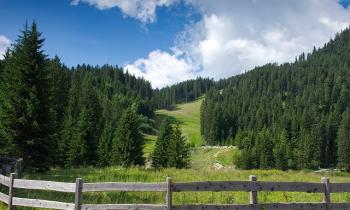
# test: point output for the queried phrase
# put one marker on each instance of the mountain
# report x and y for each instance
(285, 116)
(293, 115)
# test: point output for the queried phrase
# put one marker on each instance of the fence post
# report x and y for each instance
(19, 167)
(169, 198)
(11, 190)
(253, 194)
(326, 195)
(78, 193)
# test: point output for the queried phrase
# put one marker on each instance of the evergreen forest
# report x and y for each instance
(285, 116)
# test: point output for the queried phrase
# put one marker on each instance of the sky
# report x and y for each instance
(168, 41)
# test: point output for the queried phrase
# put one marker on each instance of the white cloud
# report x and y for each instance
(143, 10)
(161, 68)
(4, 44)
(334, 25)
(235, 36)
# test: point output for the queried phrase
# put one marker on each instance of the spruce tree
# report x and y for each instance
(264, 147)
(280, 152)
(343, 141)
(160, 156)
(104, 149)
(127, 145)
(78, 148)
(179, 153)
(25, 101)
(59, 76)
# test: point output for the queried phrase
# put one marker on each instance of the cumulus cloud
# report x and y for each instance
(235, 36)
(143, 10)
(4, 44)
(162, 68)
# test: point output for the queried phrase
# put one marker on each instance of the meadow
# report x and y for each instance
(188, 115)
(118, 174)
(204, 167)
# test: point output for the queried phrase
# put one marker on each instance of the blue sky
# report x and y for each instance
(85, 34)
(168, 41)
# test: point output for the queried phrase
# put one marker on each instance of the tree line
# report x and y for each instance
(182, 92)
(53, 115)
(289, 116)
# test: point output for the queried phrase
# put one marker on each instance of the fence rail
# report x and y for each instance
(252, 186)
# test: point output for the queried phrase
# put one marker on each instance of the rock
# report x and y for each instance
(218, 166)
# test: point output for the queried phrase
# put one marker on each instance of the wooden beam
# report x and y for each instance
(119, 186)
(268, 206)
(123, 207)
(248, 186)
(253, 194)
(169, 198)
(4, 198)
(11, 190)
(78, 194)
(326, 194)
(37, 203)
(4, 180)
(19, 167)
(44, 185)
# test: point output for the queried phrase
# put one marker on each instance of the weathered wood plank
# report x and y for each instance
(11, 191)
(253, 195)
(37, 203)
(4, 198)
(119, 186)
(339, 206)
(123, 207)
(339, 187)
(272, 206)
(326, 194)
(169, 194)
(4, 180)
(78, 194)
(249, 186)
(44, 185)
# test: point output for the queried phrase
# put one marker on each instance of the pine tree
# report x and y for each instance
(59, 76)
(104, 149)
(280, 152)
(264, 147)
(160, 156)
(77, 153)
(343, 141)
(25, 101)
(128, 142)
(179, 153)
(69, 123)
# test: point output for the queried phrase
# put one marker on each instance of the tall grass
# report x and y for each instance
(117, 174)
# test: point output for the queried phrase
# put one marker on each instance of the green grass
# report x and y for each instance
(150, 141)
(188, 115)
(203, 161)
(207, 157)
(117, 174)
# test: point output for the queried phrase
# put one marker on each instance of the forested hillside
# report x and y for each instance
(54, 115)
(182, 92)
(294, 115)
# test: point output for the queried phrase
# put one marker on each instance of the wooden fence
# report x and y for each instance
(252, 186)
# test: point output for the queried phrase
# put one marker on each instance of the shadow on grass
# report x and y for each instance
(161, 117)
